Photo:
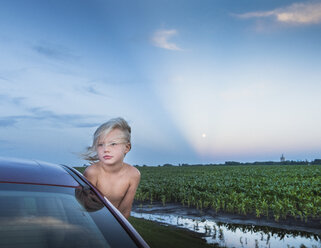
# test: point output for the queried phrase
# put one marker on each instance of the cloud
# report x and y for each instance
(161, 39)
(74, 120)
(53, 51)
(6, 145)
(40, 114)
(7, 122)
(93, 89)
(295, 14)
(4, 78)
(14, 100)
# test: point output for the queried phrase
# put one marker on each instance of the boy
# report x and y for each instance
(115, 179)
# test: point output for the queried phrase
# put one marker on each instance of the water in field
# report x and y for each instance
(235, 235)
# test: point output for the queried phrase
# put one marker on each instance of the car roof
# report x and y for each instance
(15, 170)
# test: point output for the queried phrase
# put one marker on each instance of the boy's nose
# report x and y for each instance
(106, 148)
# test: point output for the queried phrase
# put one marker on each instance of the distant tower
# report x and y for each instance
(282, 158)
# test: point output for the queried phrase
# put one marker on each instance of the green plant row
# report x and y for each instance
(272, 191)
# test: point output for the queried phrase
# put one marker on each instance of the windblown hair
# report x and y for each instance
(104, 129)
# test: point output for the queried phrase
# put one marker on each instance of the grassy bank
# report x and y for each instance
(159, 236)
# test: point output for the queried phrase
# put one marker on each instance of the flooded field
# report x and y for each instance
(231, 232)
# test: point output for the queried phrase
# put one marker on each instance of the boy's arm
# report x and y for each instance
(126, 204)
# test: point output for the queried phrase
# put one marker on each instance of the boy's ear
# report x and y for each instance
(128, 147)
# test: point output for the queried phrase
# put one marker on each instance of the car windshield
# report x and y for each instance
(52, 216)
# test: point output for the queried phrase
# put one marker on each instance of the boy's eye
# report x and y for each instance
(113, 144)
(100, 145)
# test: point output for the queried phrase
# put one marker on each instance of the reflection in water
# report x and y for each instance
(238, 235)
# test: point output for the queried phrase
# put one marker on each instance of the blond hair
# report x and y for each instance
(104, 129)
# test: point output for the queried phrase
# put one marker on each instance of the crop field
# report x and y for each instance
(273, 191)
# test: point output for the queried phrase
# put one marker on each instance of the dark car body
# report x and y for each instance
(50, 205)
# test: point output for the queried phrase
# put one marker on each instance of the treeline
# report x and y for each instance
(234, 163)
(287, 162)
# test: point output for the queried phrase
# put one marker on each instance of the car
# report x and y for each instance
(50, 205)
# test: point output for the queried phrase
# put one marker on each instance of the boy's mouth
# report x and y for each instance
(107, 157)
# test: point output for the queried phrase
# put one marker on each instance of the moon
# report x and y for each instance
(204, 135)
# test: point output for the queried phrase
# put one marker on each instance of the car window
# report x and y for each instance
(52, 216)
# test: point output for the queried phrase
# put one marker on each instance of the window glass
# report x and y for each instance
(50, 216)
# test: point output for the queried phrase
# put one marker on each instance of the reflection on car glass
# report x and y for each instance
(42, 219)
(88, 199)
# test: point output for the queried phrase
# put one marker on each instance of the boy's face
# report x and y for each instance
(112, 148)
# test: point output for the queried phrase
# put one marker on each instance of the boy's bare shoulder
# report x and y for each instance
(132, 171)
(91, 171)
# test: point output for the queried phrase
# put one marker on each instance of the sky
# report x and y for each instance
(198, 81)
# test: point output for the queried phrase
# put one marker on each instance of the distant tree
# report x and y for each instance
(316, 161)
(232, 163)
(167, 165)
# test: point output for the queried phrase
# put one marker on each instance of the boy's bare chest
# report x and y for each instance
(114, 188)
